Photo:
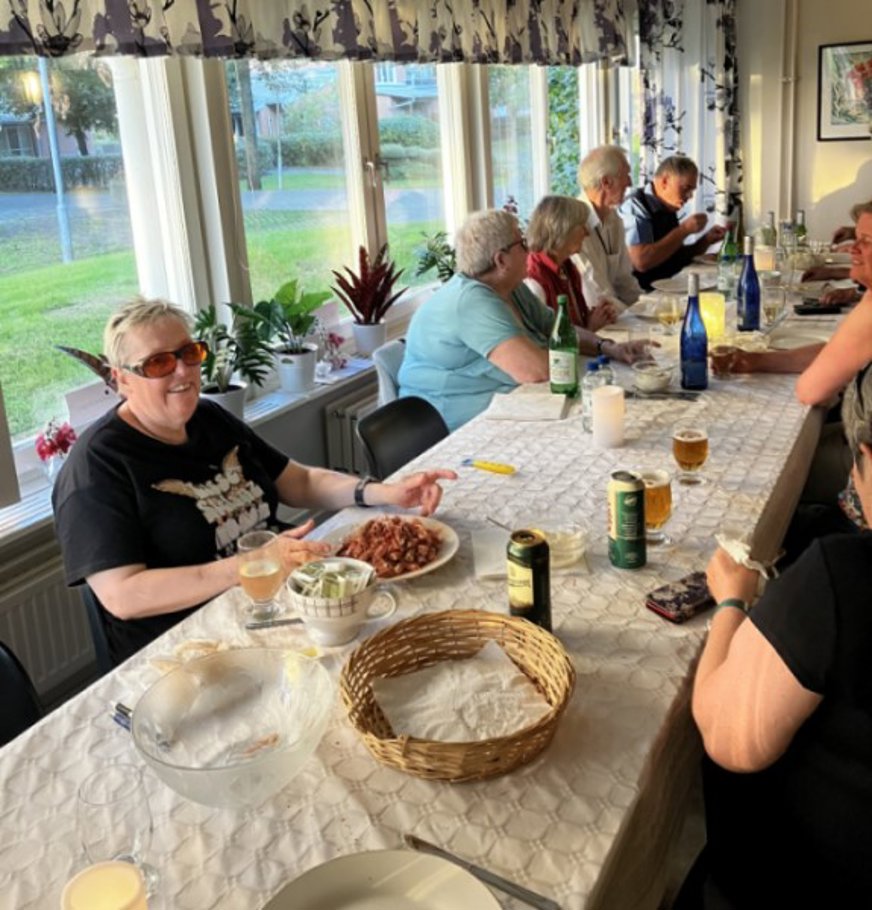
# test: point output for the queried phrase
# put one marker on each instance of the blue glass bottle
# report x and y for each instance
(748, 292)
(694, 342)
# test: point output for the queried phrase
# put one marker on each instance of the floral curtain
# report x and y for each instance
(687, 58)
(476, 31)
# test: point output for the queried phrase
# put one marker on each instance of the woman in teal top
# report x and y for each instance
(483, 331)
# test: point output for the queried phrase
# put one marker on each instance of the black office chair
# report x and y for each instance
(20, 706)
(98, 629)
(397, 432)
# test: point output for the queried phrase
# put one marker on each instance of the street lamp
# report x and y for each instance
(37, 89)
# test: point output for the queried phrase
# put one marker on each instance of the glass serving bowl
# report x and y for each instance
(231, 729)
(651, 376)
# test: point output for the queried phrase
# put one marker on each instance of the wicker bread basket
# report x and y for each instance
(414, 644)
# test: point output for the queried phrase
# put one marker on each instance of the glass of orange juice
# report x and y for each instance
(261, 572)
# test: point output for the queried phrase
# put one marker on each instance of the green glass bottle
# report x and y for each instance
(563, 353)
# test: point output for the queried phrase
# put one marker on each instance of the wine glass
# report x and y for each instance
(114, 819)
(658, 506)
(260, 571)
(668, 312)
(690, 448)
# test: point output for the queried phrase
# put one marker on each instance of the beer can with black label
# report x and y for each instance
(529, 574)
(626, 494)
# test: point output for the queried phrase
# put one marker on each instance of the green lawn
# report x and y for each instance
(69, 304)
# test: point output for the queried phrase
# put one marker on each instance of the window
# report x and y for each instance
(563, 138)
(511, 137)
(66, 259)
(288, 138)
(409, 141)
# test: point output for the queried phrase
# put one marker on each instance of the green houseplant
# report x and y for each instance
(369, 294)
(286, 320)
(237, 348)
(437, 253)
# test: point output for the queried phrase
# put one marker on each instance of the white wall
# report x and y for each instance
(786, 168)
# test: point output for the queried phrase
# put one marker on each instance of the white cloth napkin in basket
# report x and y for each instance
(483, 697)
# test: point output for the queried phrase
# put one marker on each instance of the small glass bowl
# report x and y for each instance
(566, 541)
(650, 376)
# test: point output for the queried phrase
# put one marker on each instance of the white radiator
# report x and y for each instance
(344, 451)
(44, 621)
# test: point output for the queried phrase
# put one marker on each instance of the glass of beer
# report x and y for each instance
(658, 506)
(722, 357)
(690, 449)
(260, 571)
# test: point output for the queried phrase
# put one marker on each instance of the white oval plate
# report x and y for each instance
(450, 544)
(677, 284)
(792, 337)
(385, 880)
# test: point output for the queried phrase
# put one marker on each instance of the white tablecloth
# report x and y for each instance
(590, 821)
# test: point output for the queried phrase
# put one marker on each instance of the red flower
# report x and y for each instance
(55, 439)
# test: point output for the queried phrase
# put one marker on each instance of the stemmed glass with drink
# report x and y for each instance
(668, 312)
(658, 506)
(690, 448)
(261, 572)
(114, 819)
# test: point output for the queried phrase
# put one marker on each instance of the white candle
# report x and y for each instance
(106, 886)
(608, 416)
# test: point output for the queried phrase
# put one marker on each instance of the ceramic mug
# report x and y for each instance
(337, 620)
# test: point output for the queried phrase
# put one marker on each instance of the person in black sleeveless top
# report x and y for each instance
(655, 235)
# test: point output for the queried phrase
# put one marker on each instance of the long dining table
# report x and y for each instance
(592, 820)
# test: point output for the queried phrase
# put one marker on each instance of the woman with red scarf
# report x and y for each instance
(556, 231)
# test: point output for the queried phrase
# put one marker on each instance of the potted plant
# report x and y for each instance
(237, 348)
(437, 253)
(368, 296)
(287, 320)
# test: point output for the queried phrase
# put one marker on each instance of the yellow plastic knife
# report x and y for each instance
(495, 467)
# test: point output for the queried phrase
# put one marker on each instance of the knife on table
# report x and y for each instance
(489, 878)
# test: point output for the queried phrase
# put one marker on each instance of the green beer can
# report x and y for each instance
(528, 567)
(626, 494)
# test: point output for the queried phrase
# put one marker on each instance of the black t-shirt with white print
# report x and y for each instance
(124, 498)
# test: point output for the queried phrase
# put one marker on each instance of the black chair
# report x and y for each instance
(98, 629)
(20, 706)
(397, 432)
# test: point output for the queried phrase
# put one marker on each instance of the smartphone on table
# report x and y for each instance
(681, 600)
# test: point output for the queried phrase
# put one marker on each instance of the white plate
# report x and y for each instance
(450, 543)
(677, 284)
(791, 337)
(385, 880)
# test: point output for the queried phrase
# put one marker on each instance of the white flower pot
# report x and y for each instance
(297, 371)
(369, 337)
(232, 400)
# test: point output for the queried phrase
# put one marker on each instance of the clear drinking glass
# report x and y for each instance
(658, 506)
(669, 312)
(690, 446)
(114, 819)
(261, 573)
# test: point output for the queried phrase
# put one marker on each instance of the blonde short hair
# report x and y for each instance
(552, 221)
(481, 237)
(138, 312)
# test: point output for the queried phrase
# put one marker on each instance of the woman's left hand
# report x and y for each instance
(419, 489)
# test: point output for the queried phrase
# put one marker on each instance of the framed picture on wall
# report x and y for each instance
(845, 91)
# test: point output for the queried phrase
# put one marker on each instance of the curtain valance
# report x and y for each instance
(475, 31)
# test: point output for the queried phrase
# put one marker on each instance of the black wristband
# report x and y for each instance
(600, 344)
(358, 491)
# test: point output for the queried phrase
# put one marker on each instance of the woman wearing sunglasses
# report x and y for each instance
(155, 494)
